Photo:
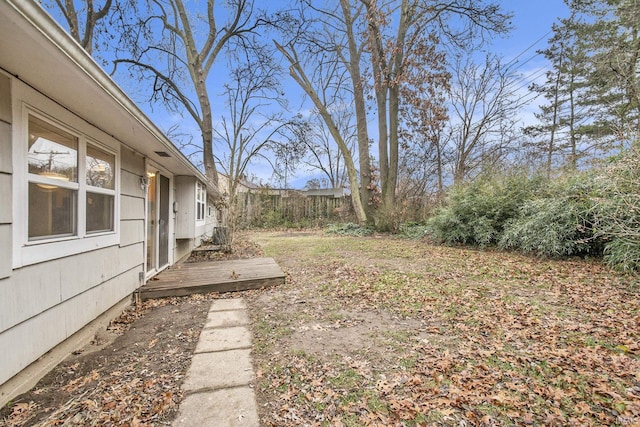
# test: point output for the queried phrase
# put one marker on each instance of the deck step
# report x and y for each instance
(214, 276)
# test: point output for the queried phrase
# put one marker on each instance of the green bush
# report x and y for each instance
(595, 212)
(413, 230)
(558, 225)
(476, 213)
(548, 227)
(623, 254)
(617, 211)
(349, 229)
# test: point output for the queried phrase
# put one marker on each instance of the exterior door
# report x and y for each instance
(157, 222)
(163, 223)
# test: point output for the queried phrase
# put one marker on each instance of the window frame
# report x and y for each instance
(201, 202)
(99, 190)
(27, 250)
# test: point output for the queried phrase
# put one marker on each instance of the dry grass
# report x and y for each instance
(383, 331)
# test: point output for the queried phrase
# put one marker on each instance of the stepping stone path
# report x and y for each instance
(218, 385)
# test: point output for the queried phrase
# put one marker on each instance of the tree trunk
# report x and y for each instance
(366, 185)
(387, 77)
(298, 74)
(439, 170)
(206, 127)
(397, 63)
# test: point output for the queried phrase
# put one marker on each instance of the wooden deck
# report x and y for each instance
(213, 276)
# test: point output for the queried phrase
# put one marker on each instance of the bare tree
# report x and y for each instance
(484, 102)
(392, 37)
(175, 48)
(403, 37)
(298, 73)
(81, 18)
(245, 130)
(322, 153)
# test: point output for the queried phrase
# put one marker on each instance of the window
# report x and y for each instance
(201, 200)
(61, 204)
(53, 181)
(100, 174)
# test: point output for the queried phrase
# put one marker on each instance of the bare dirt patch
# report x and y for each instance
(349, 332)
(129, 375)
(373, 331)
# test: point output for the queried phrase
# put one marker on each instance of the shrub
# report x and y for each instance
(476, 213)
(413, 231)
(596, 213)
(623, 254)
(349, 229)
(617, 210)
(560, 224)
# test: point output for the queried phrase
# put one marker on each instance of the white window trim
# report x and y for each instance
(26, 252)
(201, 189)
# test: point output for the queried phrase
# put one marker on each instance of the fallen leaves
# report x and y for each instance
(134, 381)
(477, 338)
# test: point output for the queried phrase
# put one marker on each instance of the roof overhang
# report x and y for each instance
(36, 50)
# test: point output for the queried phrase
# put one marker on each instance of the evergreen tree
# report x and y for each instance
(610, 33)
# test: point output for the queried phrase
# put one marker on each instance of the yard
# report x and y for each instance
(385, 331)
(381, 331)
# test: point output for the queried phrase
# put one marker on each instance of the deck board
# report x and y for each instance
(214, 276)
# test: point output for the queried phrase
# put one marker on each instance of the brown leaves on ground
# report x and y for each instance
(381, 331)
(133, 381)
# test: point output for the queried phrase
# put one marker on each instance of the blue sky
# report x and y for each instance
(532, 21)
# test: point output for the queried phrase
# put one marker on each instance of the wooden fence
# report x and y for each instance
(272, 210)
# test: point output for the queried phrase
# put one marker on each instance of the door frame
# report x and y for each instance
(163, 203)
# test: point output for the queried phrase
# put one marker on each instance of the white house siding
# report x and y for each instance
(182, 248)
(186, 202)
(5, 176)
(49, 290)
(43, 304)
(132, 198)
(189, 232)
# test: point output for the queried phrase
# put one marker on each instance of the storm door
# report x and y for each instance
(157, 222)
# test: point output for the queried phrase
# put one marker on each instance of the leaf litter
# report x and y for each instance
(130, 375)
(378, 331)
(381, 331)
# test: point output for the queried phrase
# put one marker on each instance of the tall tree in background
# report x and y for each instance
(377, 47)
(599, 66)
(423, 116)
(174, 48)
(592, 89)
(565, 86)
(611, 33)
(329, 71)
(244, 131)
(323, 105)
(81, 17)
(322, 155)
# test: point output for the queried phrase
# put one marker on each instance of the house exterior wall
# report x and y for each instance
(5, 176)
(190, 232)
(44, 302)
(186, 201)
(56, 282)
